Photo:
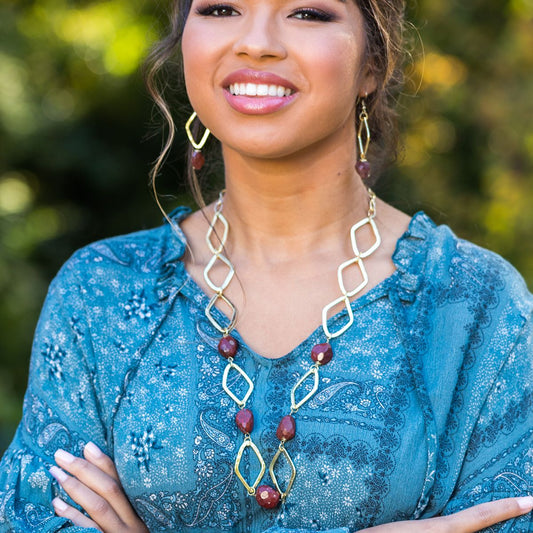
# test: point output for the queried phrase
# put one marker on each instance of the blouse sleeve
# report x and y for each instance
(499, 458)
(61, 410)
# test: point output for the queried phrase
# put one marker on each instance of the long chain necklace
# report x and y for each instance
(321, 354)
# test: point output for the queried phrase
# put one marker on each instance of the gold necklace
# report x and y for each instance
(321, 354)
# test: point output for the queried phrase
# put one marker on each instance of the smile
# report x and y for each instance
(262, 89)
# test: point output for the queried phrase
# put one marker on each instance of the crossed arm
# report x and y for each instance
(93, 483)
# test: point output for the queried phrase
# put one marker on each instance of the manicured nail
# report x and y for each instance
(93, 450)
(64, 457)
(58, 474)
(59, 505)
(525, 503)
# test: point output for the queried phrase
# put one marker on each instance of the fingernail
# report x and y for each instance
(525, 503)
(58, 474)
(93, 450)
(59, 504)
(64, 457)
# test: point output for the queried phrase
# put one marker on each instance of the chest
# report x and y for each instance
(357, 440)
(278, 308)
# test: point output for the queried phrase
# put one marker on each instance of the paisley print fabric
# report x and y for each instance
(425, 409)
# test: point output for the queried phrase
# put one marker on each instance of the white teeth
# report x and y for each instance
(252, 89)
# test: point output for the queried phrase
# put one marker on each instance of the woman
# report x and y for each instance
(378, 367)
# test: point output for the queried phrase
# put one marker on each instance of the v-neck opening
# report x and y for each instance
(200, 298)
(399, 257)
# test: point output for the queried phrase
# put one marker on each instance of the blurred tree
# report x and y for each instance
(75, 143)
(74, 152)
(468, 155)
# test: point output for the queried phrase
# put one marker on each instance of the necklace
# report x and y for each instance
(321, 354)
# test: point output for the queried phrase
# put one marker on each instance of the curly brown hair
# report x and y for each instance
(385, 51)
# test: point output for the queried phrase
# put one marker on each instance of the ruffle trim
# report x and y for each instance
(410, 256)
(172, 275)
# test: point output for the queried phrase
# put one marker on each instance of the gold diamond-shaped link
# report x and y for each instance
(285, 453)
(248, 443)
(229, 275)
(377, 237)
(313, 371)
(218, 216)
(240, 402)
(223, 329)
(355, 261)
(325, 313)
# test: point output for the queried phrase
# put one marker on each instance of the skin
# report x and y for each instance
(291, 196)
(272, 187)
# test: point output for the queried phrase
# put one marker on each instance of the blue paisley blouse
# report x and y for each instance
(425, 409)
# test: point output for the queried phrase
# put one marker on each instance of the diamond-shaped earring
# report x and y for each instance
(198, 159)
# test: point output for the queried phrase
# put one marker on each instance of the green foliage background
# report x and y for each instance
(77, 140)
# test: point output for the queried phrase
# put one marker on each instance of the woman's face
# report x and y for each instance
(271, 78)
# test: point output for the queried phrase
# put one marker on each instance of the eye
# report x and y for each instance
(312, 14)
(217, 10)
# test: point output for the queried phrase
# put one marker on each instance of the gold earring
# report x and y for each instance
(363, 166)
(198, 158)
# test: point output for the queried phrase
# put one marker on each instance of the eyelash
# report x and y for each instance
(313, 15)
(309, 14)
(211, 10)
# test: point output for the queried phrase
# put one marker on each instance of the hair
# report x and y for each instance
(385, 51)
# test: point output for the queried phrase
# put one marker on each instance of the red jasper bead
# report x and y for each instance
(197, 160)
(286, 428)
(245, 420)
(267, 496)
(227, 347)
(363, 169)
(322, 353)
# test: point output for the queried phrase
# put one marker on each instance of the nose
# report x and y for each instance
(259, 37)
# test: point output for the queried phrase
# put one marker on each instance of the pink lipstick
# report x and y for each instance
(256, 92)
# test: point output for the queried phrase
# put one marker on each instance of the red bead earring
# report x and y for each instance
(198, 159)
(363, 166)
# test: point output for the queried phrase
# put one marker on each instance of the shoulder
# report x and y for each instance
(142, 258)
(455, 270)
(142, 253)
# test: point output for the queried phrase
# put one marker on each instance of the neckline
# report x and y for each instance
(405, 277)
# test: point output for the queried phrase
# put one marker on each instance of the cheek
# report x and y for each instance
(201, 52)
(190, 49)
(338, 54)
(337, 66)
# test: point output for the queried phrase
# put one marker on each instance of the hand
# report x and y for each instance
(95, 486)
(467, 521)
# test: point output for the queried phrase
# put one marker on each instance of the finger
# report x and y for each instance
(104, 483)
(97, 457)
(67, 511)
(97, 507)
(490, 513)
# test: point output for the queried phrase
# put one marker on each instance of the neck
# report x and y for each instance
(279, 210)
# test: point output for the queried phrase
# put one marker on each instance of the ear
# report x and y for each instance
(368, 83)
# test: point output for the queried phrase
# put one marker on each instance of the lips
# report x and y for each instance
(255, 92)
